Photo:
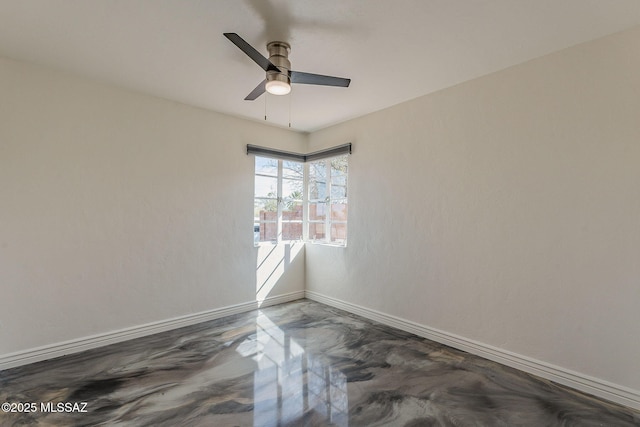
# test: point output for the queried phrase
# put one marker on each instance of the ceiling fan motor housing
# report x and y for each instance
(279, 56)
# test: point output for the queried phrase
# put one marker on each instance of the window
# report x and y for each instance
(292, 199)
(284, 211)
(265, 204)
(327, 200)
(278, 200)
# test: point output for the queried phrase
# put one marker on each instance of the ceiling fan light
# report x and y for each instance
(276, 87)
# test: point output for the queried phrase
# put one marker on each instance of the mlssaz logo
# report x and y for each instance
(63, 407)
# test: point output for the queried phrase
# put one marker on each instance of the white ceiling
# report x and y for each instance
(393, 50)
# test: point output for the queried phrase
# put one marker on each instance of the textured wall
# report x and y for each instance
(506, 210)
(119, 209)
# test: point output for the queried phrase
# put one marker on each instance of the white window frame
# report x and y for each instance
(328, 202)
(259, 221)
(280, 200)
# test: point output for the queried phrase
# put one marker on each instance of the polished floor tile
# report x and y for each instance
(296, 364)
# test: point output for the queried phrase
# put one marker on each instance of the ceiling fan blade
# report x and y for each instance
(317, 79)
(251, 52)
(259, 90)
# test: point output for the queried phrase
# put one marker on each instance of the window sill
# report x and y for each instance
(285, 242)
(293, 242)
(333, 245)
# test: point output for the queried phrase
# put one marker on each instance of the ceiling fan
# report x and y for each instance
(278, 68)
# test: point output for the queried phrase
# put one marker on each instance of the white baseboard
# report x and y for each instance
(51, 351)
(594, 386)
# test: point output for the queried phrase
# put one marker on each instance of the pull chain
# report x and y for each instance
(290, 96)
(265, 106)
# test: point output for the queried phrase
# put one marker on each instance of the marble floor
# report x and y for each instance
(296, 364)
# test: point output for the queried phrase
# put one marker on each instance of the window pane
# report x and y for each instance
(316, 231)
(265, 210)
(265, 166)
(318, 180)
(317, 190)
(339, 166)
(318, 170)
(292, 169)
(266, 186)
(292, 231)
(338, 233)
(292, 189)
(292, 211)
(317, 211)
(338, 211)
(266, 232)
(338, 191)
(339, 180)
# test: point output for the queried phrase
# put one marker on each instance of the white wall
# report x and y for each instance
(119, 209)
(505, 210)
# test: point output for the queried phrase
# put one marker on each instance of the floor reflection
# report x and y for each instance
(290, 383)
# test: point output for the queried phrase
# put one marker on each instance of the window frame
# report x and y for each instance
(284, 200)
(265, 199)
(328, 222)
(328, 202)
(280, 201)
